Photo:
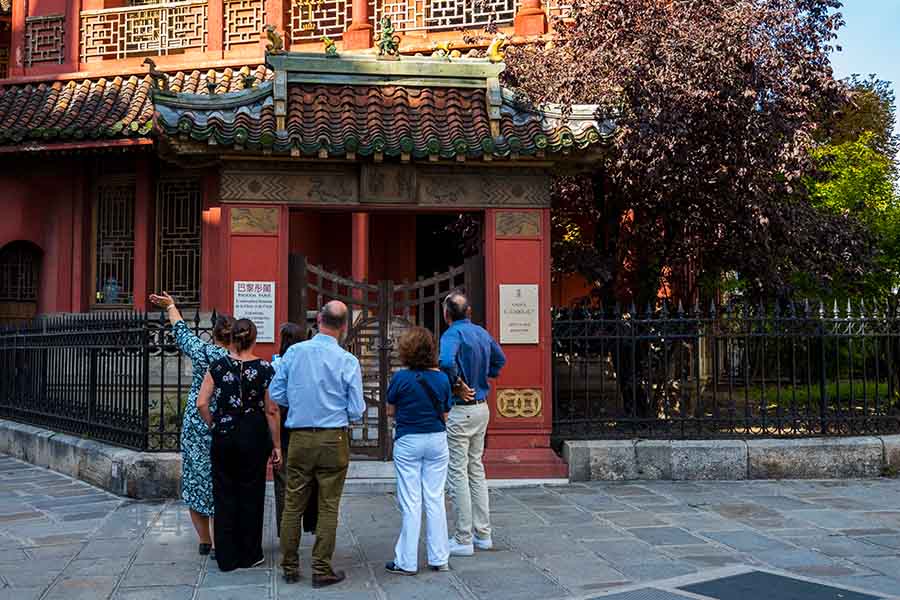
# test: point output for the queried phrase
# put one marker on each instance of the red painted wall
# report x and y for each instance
(39, 210)
(259, 257)
(392, 247)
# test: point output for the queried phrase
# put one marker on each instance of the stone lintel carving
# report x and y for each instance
(483, 188)
(519, 403)
(387, 184)
(298, 186)
(518, 224)
(257, 219)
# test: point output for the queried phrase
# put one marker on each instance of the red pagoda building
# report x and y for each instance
(246, 166)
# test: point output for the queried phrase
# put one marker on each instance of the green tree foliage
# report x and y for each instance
(856, 173)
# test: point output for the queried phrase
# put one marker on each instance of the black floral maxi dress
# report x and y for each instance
(241, 447)
(196, 472)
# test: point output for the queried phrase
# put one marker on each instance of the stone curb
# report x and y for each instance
(692, 460)
(139, 475)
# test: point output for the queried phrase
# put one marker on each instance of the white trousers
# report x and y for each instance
(420, 460)
(466, 427)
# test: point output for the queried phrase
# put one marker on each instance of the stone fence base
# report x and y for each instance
(140, 475)
(808, 458)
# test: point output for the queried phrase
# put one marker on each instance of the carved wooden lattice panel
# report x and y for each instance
(150, 29)
(44, 39)
(4, 62)
(114, 240)
(311, 19)
(412, 15)
(179, 213)
(243, 21)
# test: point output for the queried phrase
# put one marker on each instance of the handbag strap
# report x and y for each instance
(432, 395)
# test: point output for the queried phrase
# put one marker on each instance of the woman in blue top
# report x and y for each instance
(419, 397)
(196, 468)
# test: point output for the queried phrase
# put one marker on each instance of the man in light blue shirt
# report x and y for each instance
(321, 384)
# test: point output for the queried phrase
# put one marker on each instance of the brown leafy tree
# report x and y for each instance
(717, 104)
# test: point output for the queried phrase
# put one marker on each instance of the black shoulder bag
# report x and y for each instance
(438, 407)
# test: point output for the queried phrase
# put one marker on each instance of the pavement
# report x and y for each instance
(63, 539)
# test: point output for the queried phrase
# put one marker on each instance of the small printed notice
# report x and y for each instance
(255, 300)
(519, 320)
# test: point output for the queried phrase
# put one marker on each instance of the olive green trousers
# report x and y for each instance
(315, 457)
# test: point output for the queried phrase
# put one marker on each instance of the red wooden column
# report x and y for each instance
(144, 265)
(17, 40)
(360, 246)
(215, 28)
(531, 18)
(359, 35)
(257, 247)
(517, 255)
(213, 294)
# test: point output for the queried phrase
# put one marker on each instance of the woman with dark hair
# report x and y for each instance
(419, 397)
(246, 433)
(290, 334)
(196, 474)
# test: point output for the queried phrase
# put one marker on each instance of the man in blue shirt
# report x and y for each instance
(469, 357)
(321, 384)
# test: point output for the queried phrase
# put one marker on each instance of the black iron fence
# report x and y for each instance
(730, 371)
(111, 376)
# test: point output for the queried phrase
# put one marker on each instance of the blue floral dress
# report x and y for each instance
(196, 469)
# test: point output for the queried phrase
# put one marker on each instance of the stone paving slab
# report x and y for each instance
(570, 542)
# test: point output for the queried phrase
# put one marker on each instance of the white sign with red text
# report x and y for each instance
(255, 300)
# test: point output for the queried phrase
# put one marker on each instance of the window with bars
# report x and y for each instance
(179, 211)
(20, 272)
(114, 240)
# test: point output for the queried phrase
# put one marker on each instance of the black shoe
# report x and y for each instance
(291, 577)
(440, 568)
(320, 581)
(205, 549)
(392, 567)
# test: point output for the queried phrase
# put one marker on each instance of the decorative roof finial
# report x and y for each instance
(388, 43)
(330, 47)
(160, 79)
(276, 44)
(442, 49)
(495, 51)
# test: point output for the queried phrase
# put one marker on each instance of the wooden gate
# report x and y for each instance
(379, 314)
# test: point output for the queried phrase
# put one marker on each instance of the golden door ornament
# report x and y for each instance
(310, 5)
(519, 403)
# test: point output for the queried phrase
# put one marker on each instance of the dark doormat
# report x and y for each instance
(644, 594)
(756, 585)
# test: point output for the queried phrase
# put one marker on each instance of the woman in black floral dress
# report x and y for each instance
(246, 432)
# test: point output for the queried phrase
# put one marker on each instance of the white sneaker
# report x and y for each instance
(482, 543)
(457, 549)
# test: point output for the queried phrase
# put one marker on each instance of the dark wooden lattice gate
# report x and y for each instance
(379, 314)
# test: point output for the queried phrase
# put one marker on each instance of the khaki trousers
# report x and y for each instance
(466, 427)
(315, 457)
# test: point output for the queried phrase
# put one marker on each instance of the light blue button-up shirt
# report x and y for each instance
(320, 383)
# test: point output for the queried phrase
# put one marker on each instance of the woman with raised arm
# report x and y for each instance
(246, 432)
(196, 472)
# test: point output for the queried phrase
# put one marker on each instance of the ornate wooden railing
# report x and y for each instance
(149, 28)
(244, 20)
(311, 19)
(146, 30)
